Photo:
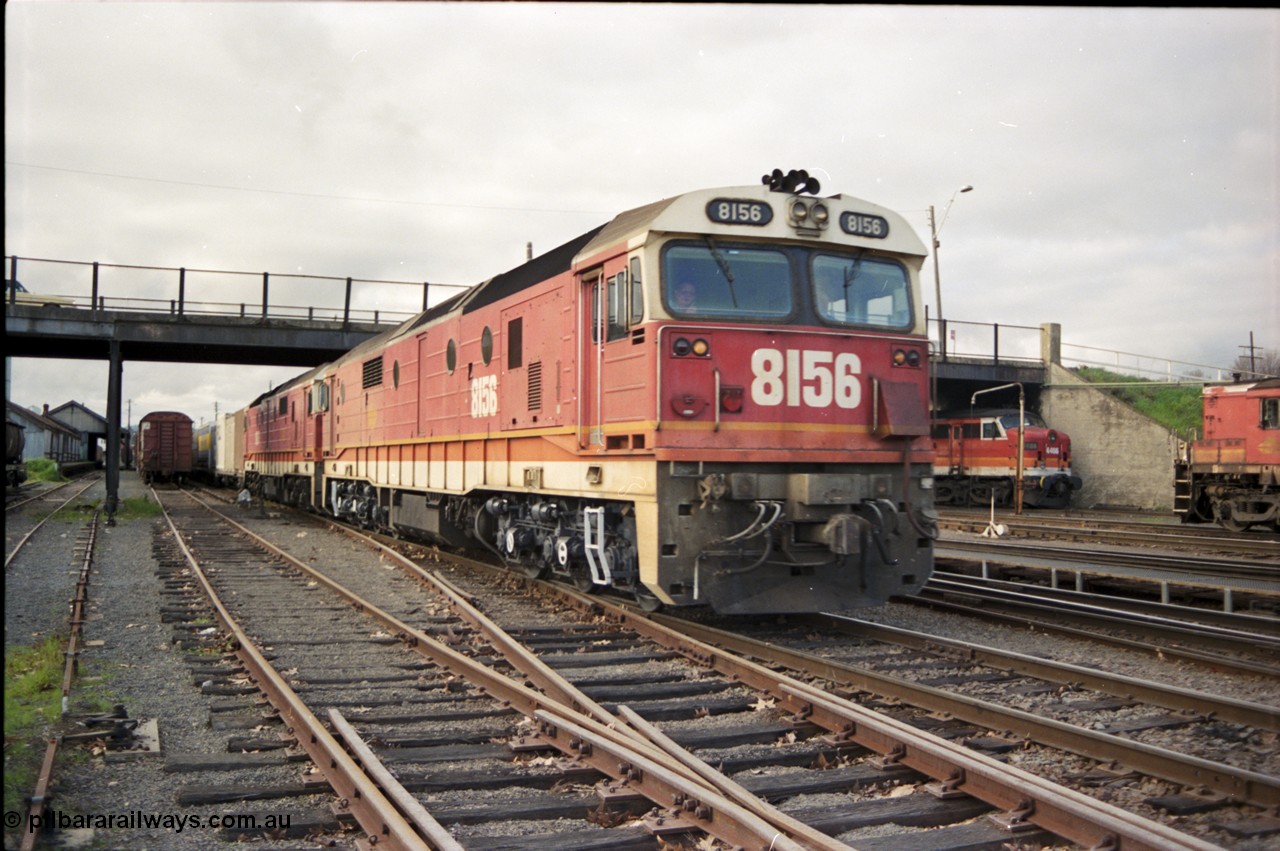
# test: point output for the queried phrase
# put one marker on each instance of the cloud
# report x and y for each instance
(1124, 161)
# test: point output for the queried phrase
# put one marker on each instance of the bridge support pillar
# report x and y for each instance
(1051, 343)
(114, 393)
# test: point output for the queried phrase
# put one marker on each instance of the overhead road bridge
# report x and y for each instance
(138, 313)
(70, 332)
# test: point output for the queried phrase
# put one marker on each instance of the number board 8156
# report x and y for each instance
(733, 211)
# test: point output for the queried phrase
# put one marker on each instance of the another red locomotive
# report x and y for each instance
(1232, 475)
(720, 398)
(975, 458)
(163, 447)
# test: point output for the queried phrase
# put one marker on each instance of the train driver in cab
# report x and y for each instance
(685, 297)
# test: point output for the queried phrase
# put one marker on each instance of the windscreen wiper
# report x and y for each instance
(724, 267)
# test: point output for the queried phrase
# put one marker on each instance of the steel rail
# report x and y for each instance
(695, 805)
(1155, 694)
(1217, 571)
(760, 823)
(78, 613)
(40, 796)
(1248, 786)
(553, 683)
(1115, 532)
(1198, 636)
(813, 839)
(1239, 620)
(1064, 812)
(1022, 795)
(18, 548)
(18, 503)
(71, 666)
(435, 832)
(1167, 651)
(382, 822)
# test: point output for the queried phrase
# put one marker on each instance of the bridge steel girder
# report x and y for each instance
(61, 332)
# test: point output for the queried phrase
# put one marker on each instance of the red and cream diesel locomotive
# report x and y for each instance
(717, 399)
(976, 460)
(1232, 475)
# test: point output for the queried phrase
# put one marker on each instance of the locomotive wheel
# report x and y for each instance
(980, 495)
(580, 575)
(535, 571)
(647, 600)
(1228, 520)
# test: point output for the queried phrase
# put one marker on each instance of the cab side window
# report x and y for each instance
(1270, 413)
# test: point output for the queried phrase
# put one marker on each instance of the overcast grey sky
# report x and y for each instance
(1124, 160)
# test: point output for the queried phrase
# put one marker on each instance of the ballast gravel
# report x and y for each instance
(132, 659)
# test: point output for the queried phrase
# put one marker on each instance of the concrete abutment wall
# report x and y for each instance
(1124, 457)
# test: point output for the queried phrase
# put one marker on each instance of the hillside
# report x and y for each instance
(1177, 408)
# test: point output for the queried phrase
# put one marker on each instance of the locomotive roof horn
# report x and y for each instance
(793, 182)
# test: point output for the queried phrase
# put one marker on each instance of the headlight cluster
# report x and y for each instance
(906, 357)
(683, 347)
(809, 213)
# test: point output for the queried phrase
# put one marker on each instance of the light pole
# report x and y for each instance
(935, 228)
(1022, 438)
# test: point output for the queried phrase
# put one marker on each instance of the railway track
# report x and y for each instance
(53, 500)
(1227, 640)
(449, 699)
(766, 729)
(1092, 529)
(1230, 583)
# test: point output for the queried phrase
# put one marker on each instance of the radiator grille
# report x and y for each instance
(535, 386)
(372, 373)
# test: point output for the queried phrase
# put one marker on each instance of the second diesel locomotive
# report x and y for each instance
(1232, 475)
(720, 398)
(975, 460)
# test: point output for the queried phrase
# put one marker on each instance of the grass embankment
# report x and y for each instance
(43, 470)
(1176, 408)
(33, 685)
(32, 704)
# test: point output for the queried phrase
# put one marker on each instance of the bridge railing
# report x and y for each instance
(983, 342)
(1147, 367)
(210, 292)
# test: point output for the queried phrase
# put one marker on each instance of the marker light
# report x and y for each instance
(906, 357)
(701, 348)
(681, 347)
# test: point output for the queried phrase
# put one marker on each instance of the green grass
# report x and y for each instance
(1176, 408)
(32, 705)
(137, 508)
(43, 470)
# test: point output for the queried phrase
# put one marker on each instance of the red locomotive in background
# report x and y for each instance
(717, 399)
(975, 458)
(1232, 475)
